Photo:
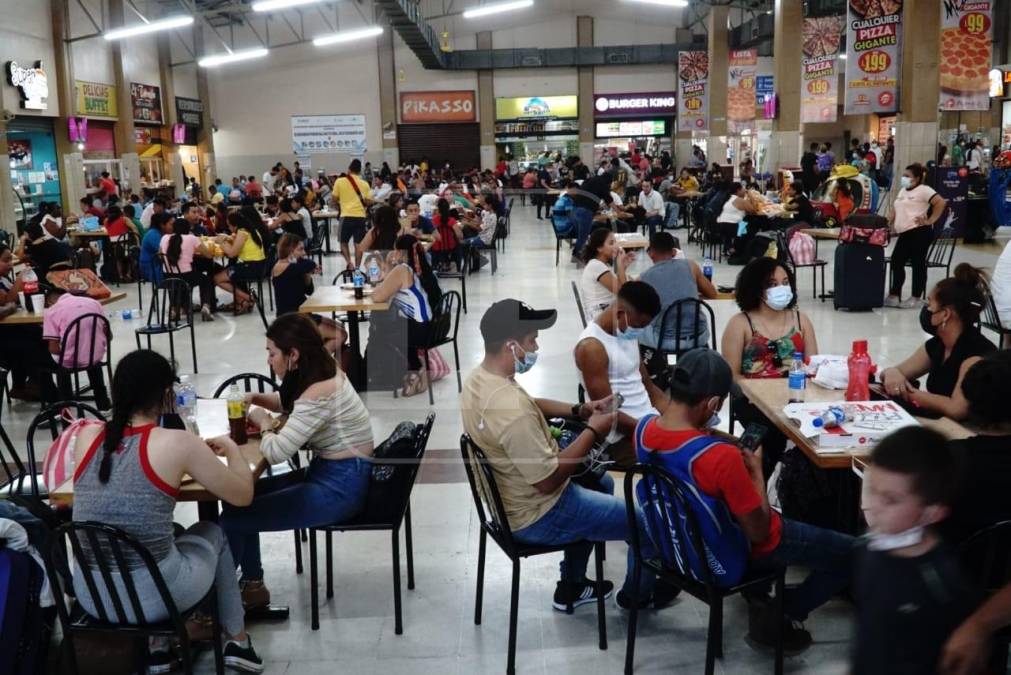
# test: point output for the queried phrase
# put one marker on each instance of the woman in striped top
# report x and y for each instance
(320, 411)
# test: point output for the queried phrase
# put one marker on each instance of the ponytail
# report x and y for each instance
(443, 206)
(175, 248)
(113, 437)
(966, 291)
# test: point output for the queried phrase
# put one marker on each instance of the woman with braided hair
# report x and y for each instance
(128, 475)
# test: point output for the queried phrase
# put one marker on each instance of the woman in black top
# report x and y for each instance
(292, 279)
(799, 204)
(950, 315)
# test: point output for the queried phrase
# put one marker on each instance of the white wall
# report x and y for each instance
(140, 62)
(639, 31)
(412, 76)
(535, 82)
(26, 36)
(630, 79)
(185, 80)
(552, 32)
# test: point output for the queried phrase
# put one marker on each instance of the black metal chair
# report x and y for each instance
(96, 543)
(991, 321)
(986, 558)
(379, 515)
(817, 264)
(494, 523)
(462, 276)
(569, 237)
(54, 418)
(443, 330)
(80, 339)
(682, 318)
(579, 303)
(942, 251)
(665, 491)
(314, 247)
(244, 278)
(171, 311)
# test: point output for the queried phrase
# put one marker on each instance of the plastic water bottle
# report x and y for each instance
(707, 268)
(798, 378)
(859, 363)
(186, 402)
(833, 417)
(374, 272)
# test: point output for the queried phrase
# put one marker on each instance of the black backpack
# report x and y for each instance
(391, 471)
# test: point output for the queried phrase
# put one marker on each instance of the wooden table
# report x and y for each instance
(100, 233)
(771, 396)
(327, 215)
(21, 316)
(822, 232)
(332, 299)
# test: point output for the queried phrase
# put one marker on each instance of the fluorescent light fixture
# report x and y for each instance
(663, 3)
(273, 5)
(152, 27)
(347, 36)
(842, 55)
(495, 8)
(232, 57)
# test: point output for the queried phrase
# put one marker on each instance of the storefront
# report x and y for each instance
(31, 146)
(623, 122)
(440, 125)
(190, 116)
(527, 127)
(148, 119)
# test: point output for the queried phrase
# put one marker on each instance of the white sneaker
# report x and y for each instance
(891, 301)
(911, 303)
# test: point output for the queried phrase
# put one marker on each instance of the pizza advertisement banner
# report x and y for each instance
(693, 80)
(966, 56)
(741, 90)
(819, 73)
(874, 49)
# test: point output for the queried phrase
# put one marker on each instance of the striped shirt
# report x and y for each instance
(335, 427)
(413, 301)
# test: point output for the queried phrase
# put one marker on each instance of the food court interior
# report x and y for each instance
(856, 154)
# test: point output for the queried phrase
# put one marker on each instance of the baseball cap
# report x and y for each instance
(701, 373)
(511, 318)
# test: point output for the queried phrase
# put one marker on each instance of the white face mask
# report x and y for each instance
(906, 182)
(879, 541)
(779, 297)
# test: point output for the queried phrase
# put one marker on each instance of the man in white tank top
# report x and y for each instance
(608, 359)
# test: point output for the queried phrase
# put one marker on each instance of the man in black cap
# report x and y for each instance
(532, 473)
(730, 476)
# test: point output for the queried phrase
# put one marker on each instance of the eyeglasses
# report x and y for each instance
(777, 360)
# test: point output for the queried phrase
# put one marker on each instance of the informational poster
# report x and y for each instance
(965, 61)
(873, 49)
(95, 99)
(741, 90)
(693, 79)
(146, 100)
(821, 39)
(319, 134)
(952, 183)
(20, 153)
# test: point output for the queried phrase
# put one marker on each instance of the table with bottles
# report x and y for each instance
(23, 316)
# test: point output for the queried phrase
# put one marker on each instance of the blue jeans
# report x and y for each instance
(827, 553)
(583, 219)
(584, 515)
(653, 222)
(325, 493)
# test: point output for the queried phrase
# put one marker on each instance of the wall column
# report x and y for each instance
(205, 137)
(174, 168)
(917, 124)
(785, 146)
(388, 102)
(486, 106)
(8, 202)
(584, 38)
(719, 58)
(72, 169)
(126, 140)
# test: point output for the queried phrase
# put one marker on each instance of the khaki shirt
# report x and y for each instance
(505, 422)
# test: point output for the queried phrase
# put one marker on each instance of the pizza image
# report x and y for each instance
(693, 66)
(740, 104)
(869, 9)
(822, 36)
(965, 61)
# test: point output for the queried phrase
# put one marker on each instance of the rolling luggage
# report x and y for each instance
(859, 276)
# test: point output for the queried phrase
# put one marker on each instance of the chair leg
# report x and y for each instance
(431, 394)
(633, 619)
(514, 608)
(329, 564)
(172, 348)
(313, 581)
(558, 248)
(409, 542)
(814, 283)
(483, 539)
(219, 656)
(711, 642)
(598, 550)
(456, 355)
(193, 346)
(398, 626)
(298, 553)
(137, 335)
(716, 616)
(780, 583)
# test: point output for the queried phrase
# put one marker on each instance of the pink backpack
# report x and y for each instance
(58, 466)
(802, 248)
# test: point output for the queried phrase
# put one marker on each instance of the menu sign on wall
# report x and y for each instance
(635, 129)
(537, 107)
(873, 48)
(693, 80)
(190, 111)
(741, 90)
(330, 134)
(420, 107)
(965, 54)
(821, 40)
(95, 99)
(146, 100)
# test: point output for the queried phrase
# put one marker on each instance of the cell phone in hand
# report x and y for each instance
(752, 436)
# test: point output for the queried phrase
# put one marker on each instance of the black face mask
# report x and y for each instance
(925, 316)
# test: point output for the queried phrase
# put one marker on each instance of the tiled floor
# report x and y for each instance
(439, 634)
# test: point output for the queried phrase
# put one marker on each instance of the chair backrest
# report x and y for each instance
(247, 382)
(991, 318)
(54, 418)
(579, 303)
(446, 318)
(986, 556)
(174, 304)
(942, 249)
(345, 277)
(112, 552)
(392, 478)
(484, 489)
(82, 336)
(684, 314)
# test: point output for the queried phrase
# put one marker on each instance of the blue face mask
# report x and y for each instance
(779, 297)
(630, 333)
(529, 359)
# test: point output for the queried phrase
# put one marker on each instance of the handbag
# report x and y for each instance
(79, 282)
(865, 228)
(58, 465)
(437, 366)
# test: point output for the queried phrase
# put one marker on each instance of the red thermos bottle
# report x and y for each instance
(860, 370)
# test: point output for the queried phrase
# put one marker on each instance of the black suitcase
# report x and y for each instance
(859, 276)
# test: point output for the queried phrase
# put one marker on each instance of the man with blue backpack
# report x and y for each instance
(726, 491)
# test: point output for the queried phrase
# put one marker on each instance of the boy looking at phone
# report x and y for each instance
(732, 477)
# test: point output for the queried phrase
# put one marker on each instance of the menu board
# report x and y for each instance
(693, 80)
(95, 99)
(146, 99)
(190, 111)
(873, 49)
(821, 40)
(966, 56)
(741, 90)
(631, 129)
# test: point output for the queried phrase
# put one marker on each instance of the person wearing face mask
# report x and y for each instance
(910, 591)
(917, 207)
(319, 411)
(761, 341)
(608, 359)
(534, 476)
(950, 317)
(678, 440)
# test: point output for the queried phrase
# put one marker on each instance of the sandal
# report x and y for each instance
(415, 383)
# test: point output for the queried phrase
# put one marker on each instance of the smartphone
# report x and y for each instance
(619, 401)
(752, 436)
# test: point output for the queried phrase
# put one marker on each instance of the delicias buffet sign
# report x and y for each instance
(421, 107)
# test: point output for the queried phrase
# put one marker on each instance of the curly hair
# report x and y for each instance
(754, 279)
(987, 388)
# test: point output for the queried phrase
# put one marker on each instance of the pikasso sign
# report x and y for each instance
(635, 105)
(424, 107)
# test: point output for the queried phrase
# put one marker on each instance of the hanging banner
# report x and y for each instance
(821, 40)
(873, 48)
(965, 54)
(741, 90)
(693, 76)
(146, 100)
(330, 134)
(95, 99)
